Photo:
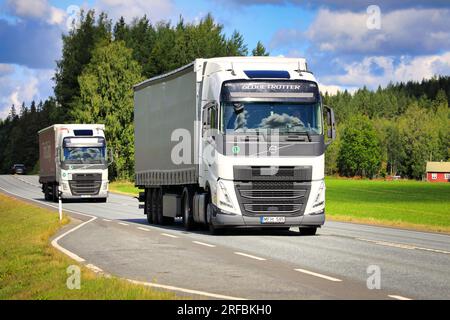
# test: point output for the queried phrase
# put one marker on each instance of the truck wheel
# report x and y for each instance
(213, 230)
(154, 206)
(309, 231)
(46, 193)
(148, 205)
(188, 219)
(160, 206)
(55, 193)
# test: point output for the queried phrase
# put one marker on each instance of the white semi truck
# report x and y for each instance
(73, 162)
(233, 142)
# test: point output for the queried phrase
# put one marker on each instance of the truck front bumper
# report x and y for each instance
(101, 195)
(221, 218)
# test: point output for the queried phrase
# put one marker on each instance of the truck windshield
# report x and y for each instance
(84, 155)
(288, 118)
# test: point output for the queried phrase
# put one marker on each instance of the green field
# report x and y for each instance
(404, 203)
(30, 268)
(408, 204)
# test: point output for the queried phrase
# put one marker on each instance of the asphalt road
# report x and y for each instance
(254, 264)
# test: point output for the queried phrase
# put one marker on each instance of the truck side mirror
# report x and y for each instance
(331, 132)
(110, 157)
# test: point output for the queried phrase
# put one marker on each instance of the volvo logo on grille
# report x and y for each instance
(273, 149)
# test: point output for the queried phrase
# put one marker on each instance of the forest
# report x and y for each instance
(389, 131)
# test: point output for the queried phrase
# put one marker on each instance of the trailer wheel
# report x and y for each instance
(160, 206)
(309, 231)
(154, 206)
(148, 205)
(188, 219)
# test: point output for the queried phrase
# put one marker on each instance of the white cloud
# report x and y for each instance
(346, 4)
(5, 69)
(406, 31)
(156, 10)
(36, 9)
(333, 89)
(390, 69)
(23, 85)
(29, 8)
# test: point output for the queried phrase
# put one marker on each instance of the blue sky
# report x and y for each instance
(347, 43)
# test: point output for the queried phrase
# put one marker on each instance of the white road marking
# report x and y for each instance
(204, 244)
(433, 250)
(398, 297)
(402, 245)
(143, 229)
(168, 235)
(79, 259)
(318, 275)
(123, 223)
(24, 181)
(197, 292)
(107, 220)
(64, 250)
(94, 268)
(55, 241)
(250, 256)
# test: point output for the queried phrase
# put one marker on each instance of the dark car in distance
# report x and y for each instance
(18, 169)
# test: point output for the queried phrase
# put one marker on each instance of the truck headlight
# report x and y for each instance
(320, 199)
(65, 186)
(105, 186)
(223, 197)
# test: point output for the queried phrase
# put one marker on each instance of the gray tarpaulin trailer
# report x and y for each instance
(164, 105)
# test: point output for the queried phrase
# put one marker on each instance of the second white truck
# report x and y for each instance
(233, 142)
(73, 162)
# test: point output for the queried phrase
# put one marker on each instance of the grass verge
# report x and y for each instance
(30, 268)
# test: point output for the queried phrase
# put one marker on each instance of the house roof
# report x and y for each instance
(438, 166)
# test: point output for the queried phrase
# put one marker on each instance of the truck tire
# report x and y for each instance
(154, 210)
(213, 230)
(47, 196)
(308, 231)
(188, 219)
(55, 193)
(148, 205)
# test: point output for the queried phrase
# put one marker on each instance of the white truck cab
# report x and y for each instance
(73, 162)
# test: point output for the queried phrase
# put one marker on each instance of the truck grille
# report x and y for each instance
(85, 184)
(272, 197)
(267, 173)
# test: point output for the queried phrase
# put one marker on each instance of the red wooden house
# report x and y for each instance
(438, 171)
